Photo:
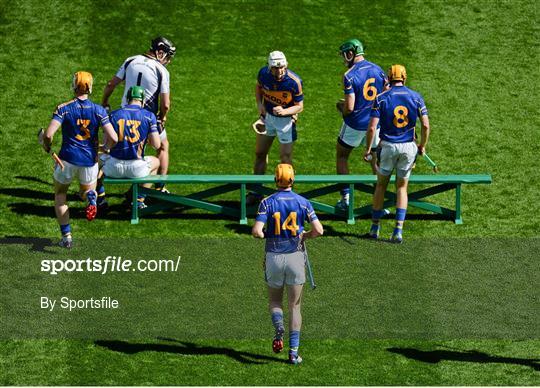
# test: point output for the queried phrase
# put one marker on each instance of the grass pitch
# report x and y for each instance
(449, 307)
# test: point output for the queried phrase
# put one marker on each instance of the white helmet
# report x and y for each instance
(277, 59)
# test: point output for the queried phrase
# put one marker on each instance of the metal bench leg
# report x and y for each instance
(134, 204)
(458, 219)
(351, 220)
(243, 212)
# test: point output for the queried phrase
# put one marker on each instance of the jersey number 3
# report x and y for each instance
(289, 223)
(85, 132)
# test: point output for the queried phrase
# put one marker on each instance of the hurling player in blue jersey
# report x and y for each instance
(396, 110)
(135, 126)
(284, 214)
(80, 120)
(362, 82)
(149, 71)
(280, 98)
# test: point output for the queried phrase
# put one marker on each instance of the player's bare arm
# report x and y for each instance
(370, 134)
(315, 231)
(154, 140)
(49, 133)
(257, 230)
(290, 111)
(109, 89)
(348, 104)
(259, 98)
(110, 134)
(164, 106)
(424, 134)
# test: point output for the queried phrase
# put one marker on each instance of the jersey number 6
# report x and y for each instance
(370, 91)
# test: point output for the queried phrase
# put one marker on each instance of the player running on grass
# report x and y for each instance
(361, 84)
(396, 110)
(280, 97)
(80, 120)
(284, 214)
(135, 127)
(149, 71)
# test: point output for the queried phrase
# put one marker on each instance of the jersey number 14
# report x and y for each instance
(289, 223)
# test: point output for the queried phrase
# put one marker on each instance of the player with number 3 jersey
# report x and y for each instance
(80, 120)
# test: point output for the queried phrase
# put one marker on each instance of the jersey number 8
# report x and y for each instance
(400, 116)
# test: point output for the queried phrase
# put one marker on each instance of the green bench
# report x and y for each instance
(331, 184)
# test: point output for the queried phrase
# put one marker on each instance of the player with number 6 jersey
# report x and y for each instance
(362, 82)
(284, 214)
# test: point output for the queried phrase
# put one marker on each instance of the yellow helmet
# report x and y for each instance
(82, 82)
(397, 73)
(284, 176)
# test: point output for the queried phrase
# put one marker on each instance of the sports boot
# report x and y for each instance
(396, 238)
(91, 207)
(294, 357)
(277, 343)
(67, 241)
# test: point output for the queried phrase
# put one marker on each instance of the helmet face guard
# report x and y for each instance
(82, 82)
(351, 49)
(165, 45)
(348, 56)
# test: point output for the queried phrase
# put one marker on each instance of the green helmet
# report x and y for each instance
(353, 45)
(135, 93)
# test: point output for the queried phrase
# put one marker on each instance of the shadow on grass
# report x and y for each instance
(20, 192)
(34, 179)
(187, 349)
(123, 211)
(36, 244)
(436, 356)
(116, 212)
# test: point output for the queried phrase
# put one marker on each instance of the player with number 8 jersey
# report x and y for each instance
(397, 110)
